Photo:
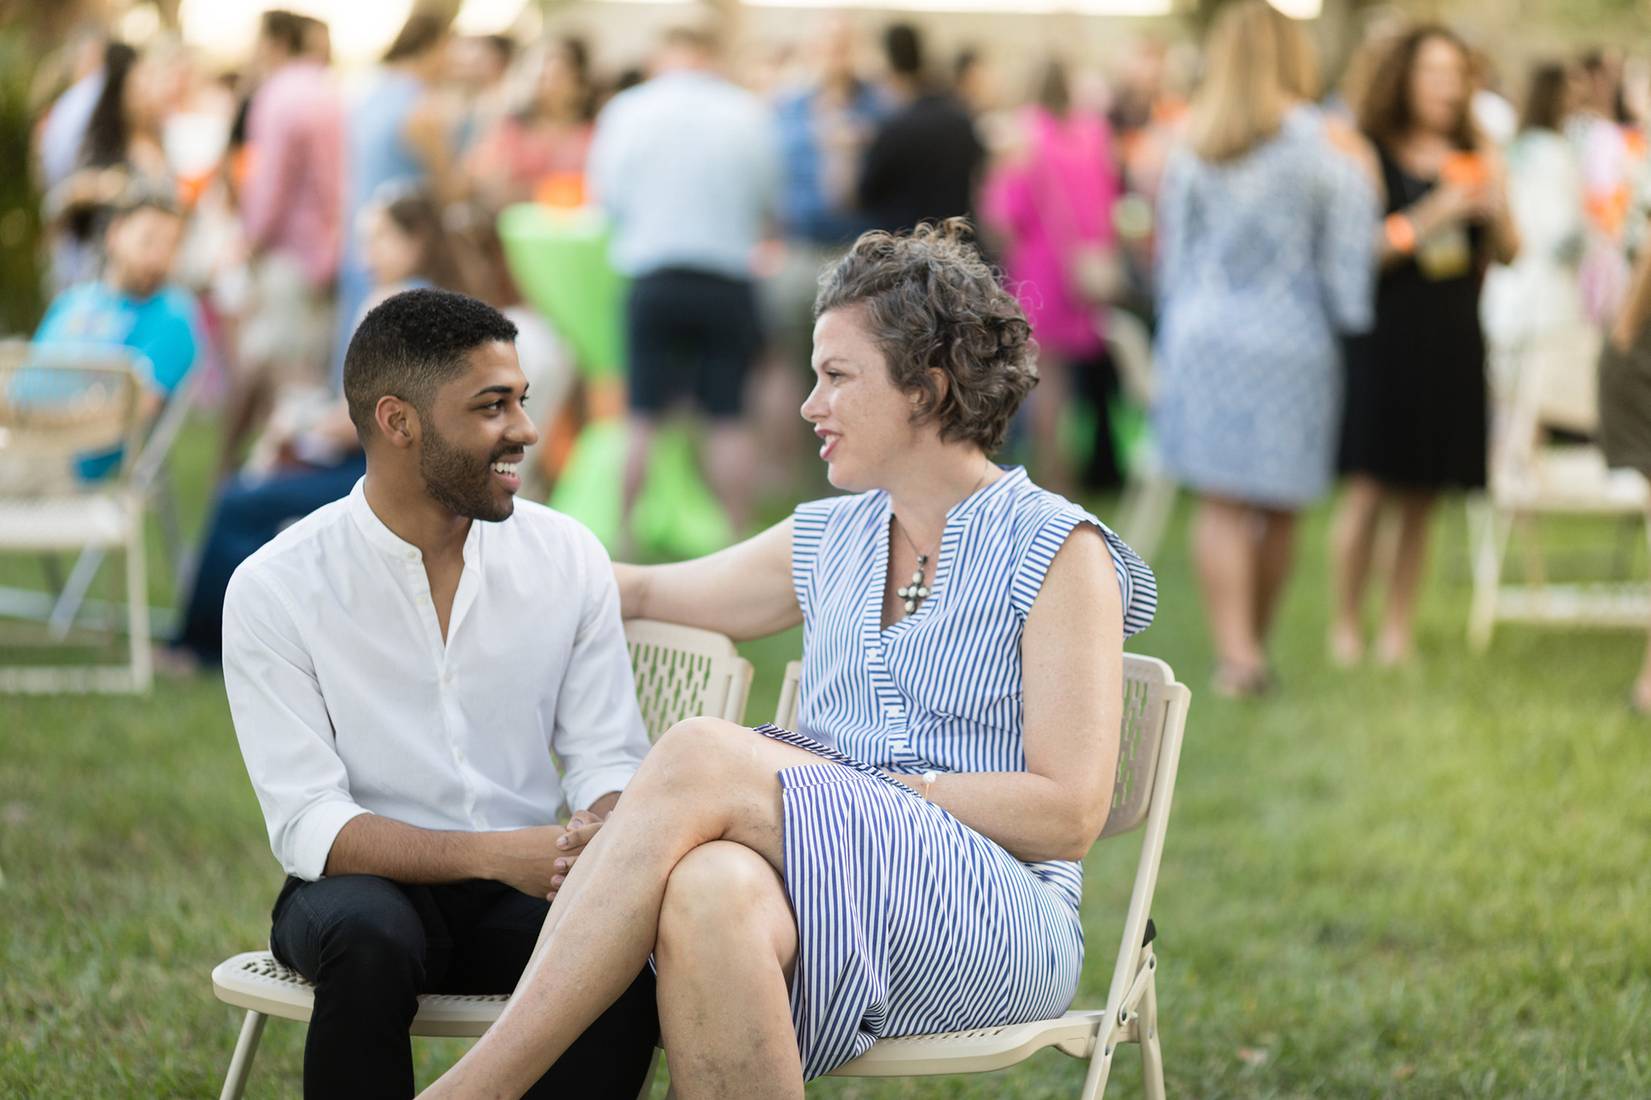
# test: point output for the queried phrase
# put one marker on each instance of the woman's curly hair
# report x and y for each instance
(931, 303)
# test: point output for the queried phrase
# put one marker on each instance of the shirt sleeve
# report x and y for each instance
(1346, 249)
(1174, 212)
(1137, 587)
(604, 171)
(808, 524)
(282, 724)
(598, 734)
(273, 164)
(172, 343)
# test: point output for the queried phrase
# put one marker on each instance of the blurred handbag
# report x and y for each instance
(1095, 274)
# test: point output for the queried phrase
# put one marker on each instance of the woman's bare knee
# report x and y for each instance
(694, 752)
(719, 892)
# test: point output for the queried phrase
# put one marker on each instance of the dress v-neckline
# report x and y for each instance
(877, 596)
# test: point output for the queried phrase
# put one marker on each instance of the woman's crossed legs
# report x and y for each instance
(688, 867)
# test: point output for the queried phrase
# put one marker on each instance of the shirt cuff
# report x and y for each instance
(587, 787)
(312, 838)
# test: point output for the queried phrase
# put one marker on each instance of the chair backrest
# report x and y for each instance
(1130, 343)
(58, 401)
(151, 461)
(1566, 369)
(1154, 707)
(683, 672)
(1150, 693)
(1154, 722)
(785, 713)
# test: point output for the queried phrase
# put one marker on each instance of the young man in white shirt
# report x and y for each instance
(401, 666)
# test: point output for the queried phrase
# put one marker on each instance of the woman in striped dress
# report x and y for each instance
(906, 861)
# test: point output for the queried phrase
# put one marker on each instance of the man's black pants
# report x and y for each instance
(371, 946)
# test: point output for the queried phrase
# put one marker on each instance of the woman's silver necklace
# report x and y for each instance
(916, 592)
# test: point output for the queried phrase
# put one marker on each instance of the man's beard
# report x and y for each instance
(457, 482)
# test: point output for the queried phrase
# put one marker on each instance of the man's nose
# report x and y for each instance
(522, 429)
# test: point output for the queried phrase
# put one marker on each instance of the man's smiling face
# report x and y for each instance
(475, 433)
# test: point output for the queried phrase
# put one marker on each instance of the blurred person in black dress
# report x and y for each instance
(1415, 419)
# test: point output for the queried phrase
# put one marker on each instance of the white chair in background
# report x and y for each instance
(1154, 721)
(1550, 382)
(57, 404)
(1149, 493)
(681, 672)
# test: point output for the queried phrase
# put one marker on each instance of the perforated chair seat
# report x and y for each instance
(65, 523)
(680, 672)
(979, 1050)
(255, 980)
(1575, 480)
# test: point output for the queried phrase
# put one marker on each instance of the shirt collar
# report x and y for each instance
(387, 541)
(1012, 475)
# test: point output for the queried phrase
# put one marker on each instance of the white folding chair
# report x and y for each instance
(1154, 720)
(1149, 493)
(681, 672)
(1550, 382)
(57, 403)
(151, 480)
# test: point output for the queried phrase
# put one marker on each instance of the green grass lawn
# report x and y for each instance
(1427, 882)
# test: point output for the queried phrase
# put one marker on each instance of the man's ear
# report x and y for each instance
(397, 421)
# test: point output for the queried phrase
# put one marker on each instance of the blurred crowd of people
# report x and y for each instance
(1329, 270)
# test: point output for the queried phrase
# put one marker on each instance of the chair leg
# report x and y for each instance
(1489, 552)
(1100, 1062)
(240, 1063)
(1152, 1055)
(137, 611)
(74, 592)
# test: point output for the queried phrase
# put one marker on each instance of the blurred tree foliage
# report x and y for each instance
(21, 289)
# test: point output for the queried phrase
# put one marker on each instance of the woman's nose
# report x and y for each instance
(812, 405)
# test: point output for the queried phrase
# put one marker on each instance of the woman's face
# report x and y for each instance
(392, 255)
(1438, 86)
(863, 421)
(558, 90)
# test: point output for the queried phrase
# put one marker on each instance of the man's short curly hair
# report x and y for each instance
(931, 303)
(411, 343)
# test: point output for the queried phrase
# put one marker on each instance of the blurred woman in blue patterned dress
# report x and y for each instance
(1266, 257)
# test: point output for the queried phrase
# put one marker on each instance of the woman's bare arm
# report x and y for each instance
(1072, 659)
(744, 591)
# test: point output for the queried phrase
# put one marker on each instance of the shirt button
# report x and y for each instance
(412, 555)
(447, 677)
(891, 711)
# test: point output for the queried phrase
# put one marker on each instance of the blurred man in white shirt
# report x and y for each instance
(406, 668)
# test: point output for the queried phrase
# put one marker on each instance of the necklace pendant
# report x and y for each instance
(916, 592)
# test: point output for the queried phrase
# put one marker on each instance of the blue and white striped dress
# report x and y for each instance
(909, 921)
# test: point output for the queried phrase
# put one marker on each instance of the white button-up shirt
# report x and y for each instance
(347, 701)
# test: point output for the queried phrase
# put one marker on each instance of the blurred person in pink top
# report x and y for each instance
(292, 213)
(540, 149)
(1051, 201)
